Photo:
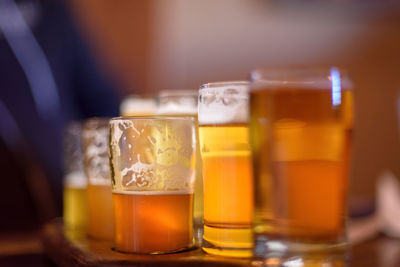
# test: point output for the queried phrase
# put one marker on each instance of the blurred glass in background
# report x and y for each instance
(75, 184)
(48, 77)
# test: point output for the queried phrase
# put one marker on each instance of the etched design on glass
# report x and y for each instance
(96, 154)
(152, 155)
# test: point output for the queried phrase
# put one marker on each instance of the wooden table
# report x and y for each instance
(43, 249)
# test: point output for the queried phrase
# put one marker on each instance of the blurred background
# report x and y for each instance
(69, 60)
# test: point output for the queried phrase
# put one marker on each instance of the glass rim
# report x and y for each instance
(158, 117)
(315, 77)
(223, 84)
(177, 93)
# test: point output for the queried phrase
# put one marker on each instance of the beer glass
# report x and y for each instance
(74, 208)
(152, 165)
(100, 209)
(301, 122)
(138, 105)
(183, 103)
(227, 173)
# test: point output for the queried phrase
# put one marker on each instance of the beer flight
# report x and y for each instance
(241, 169)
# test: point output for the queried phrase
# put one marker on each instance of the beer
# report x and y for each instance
(100, 212)
(228, 202)
(152, 167)
(151, 222)
(75, 210)
(227, 170)
(301, 146)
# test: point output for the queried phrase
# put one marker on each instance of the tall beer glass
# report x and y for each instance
(152, 164)
(301, 123)
(183, 103)
(227, 175)
(100, 209)
(74, 209)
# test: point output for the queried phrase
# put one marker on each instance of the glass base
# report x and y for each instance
(273, 252)
(228, 242)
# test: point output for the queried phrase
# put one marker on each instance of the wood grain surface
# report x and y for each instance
(74, 249)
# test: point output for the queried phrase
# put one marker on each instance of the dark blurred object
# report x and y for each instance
(47, 78)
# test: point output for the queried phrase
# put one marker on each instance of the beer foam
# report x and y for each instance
(223, 103)
(131, 106)
(75, 180)
(152, 193)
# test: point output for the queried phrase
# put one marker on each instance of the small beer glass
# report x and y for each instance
(227, 174)
(99, 202)
(152, 165)
(74, 209)
(301, 124)
(183, 103)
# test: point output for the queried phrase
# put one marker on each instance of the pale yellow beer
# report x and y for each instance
(75, 210)
(74, 181)
(227, 171)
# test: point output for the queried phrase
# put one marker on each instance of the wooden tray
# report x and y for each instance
(74, 249)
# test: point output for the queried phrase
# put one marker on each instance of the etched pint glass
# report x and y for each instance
(152, 164)
(99, 201)
(227, 173)
(301, 122)
(183, 103)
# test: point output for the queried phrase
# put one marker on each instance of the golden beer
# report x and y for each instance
(227, 176)
(100, 212)
(152, 222)
(74, 181)
(301, 144)
(75, 210)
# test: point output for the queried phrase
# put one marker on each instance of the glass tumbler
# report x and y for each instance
(227, 172)
(301, 127)
(99, 202)
(153, 170)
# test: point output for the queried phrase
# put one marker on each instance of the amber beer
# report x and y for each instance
(227, 171)
(152, 221)
(301, 145)
(100, 212)
(96, 163)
